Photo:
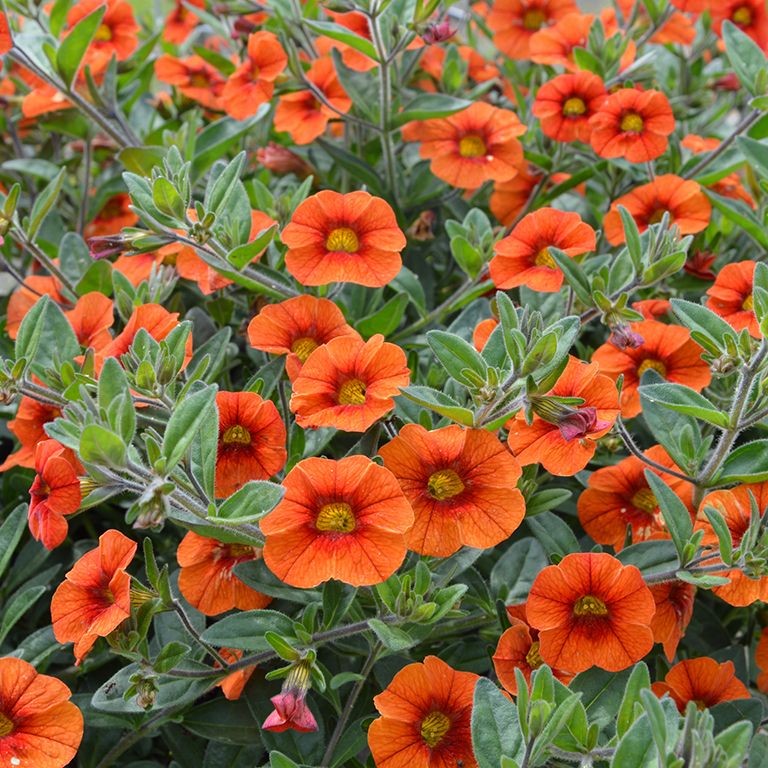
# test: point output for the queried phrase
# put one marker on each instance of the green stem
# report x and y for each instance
(193, 633)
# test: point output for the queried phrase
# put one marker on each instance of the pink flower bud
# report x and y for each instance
(279, 159)
(291, 711)
(623, 337)
(579, 423)
(438, 32)
(106, 246)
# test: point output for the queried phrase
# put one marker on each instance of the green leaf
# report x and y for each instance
(220, 191)
(167, 199)
(746, 56)
(384, 320)
(682, 399)
(574, 275)
(73, 47)
(141, 160)
(394, 638)
(467, 256)
(43, 204)
(676, 516)
(15, 608)
(216, 139)
(702, 320)
(11, 532)
(359, 169)
(456, 355)
(756, 153)
(720, 527)
(440, 403)
(636, 749)
(747, 464)
(639, 680)
(249, 503)
(45, 336)
(170, 656)
(601, 691)
(554, 533)
(429, 106)
(632, 237)
(99, 445)
(114, 399)
(244, 254)
(246, 630)
(734, 741)
(495, 726)
(343, 35)
(188, 417)
(741, 215)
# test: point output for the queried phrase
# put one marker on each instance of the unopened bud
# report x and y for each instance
(438, 32)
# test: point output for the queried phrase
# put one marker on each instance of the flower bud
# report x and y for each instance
(291, 710)
(105, 246)
(438, 32)
(623, 337)
(279, 159)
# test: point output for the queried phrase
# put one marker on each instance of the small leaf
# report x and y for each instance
(746, 56)
(429, 106)
(184, 423)
(496, 730)
(746, 464)
(99, 445)
(676, 516)
(249, 503)
(682, 399)
(343, 35)
(43, 204)
(75, 44)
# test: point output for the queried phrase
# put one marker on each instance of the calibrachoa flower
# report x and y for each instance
(207, 580)
(29, 428)
(181, 21)
(731, 296)
(749, 16)
(483, 331)
(95, 597)
(349, 383)
(632, 124)
(39, 726)
(735, 505)
(355, 22)
(562, 438)
(115, 36)
(344, 520)
(302, 114)
(703, 681)
(253, 82)
(55, 492)
(666, 349)
(115, 214)
(233, 684)
(674, 608)
(514, 22)
(761, 659)
(590, 610)
(296, 328)
(461, 485)
(91, 318)
(194, 77)
(291, 711)
(685, 202)
(352, 238)
(524, 258)
(251, 440)
(471, 147)
(565, 104)
(425, 718)
(518, 648)
(618, 498)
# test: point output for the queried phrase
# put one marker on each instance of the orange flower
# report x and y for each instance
(460, 484)
(301, 114)
(509, 197)
(181, 21)
(749, 16)
(514, 22)
(194, 77)
(156, 320)
(591, 610)
(735, 507)
(483, 331)
(674, 608)
(666, 349)
(116, 36)
(29, 428)
(342, 520)
(6, 41)
(26, 296)
(518, 648)
(252, 83)
(54, 494)
(91, 318)
(425, 721)
(731, 296)
(43, 99)
(651, 309)
(761, 659)
(523, 257)
(688, 207)
(565, 104)
(632, 124)
(352, 238)
(207, 580)
(618, 497)
(232, 685)
(251, 441)
(702, 681)
(115, 214)
(355, 22)
(565, 445)
(296, 328)
(349, 383)
(473, 146)
(39, 726)
(95, 597)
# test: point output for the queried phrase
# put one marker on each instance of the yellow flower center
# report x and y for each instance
(544, 259)
(645, 501)
(303, 348)
(535, 18)
(589, 605)
(199, 80)
(472, 146)
(444, 484)
(6, 725)
(239, 550)
(237, 435)
(656, 216)
(742, 16)
(342, 239)
(103, 33)
(748, 304)
(352, 392)
(651, 364)
(632, 123)
(434, 727)
(574, 107)
(335, 518)
(533, 657)
(700, 705)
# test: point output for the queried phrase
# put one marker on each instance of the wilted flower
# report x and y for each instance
(291, 710)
